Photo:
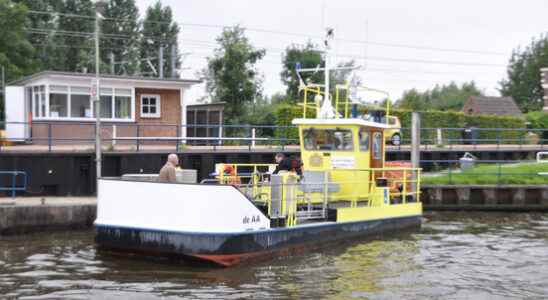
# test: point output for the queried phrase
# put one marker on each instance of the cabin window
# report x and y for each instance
(377, 144)
(75, 103)
(364, 140)
(328, 139)
(80, 104)
(58, 101)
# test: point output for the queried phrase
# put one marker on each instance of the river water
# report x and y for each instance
(453, 256)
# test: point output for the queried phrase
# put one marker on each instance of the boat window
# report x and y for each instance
(377, 144)
(364, 140)
(328, 139)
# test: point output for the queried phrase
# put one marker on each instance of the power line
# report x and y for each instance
(286, 33)
(379, 58)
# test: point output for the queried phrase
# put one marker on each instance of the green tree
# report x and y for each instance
(441, 97)
(159, 30)
(231, 75)
(120, 30)
(16, 52)
(523, 75)
(307, 56)
(38, 24)
(413, 100)
(71, 46)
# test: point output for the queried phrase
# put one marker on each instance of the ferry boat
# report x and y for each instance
(346, 191)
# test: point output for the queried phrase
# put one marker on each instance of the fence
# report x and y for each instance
(482, 172)
(137, 137)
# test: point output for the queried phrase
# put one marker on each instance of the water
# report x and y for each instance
(453, 256)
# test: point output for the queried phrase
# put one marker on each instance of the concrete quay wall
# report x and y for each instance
(26, 215)
(485, 197)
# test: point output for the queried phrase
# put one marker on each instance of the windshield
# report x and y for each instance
(328, 139)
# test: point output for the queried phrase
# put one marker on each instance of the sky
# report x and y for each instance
(399, 44)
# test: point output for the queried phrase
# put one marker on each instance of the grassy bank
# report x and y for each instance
(526, 173)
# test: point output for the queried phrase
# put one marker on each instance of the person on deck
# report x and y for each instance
(284, 163)
(168, 171)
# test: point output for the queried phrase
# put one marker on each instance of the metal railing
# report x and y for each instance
(484, 172)
(477, 138)
(59, 135)
(50, 136)
(18, 182)
(304, 197)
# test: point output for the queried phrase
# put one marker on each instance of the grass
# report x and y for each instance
(525, 173)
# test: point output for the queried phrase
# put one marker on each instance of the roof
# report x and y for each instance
(206, 105)
(38, 75)
(501, 106)
(336, 122)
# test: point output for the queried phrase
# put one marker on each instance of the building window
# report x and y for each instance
(39, 101)
(150, 106)
(74, 102)
(80, 102)
(58, 101)
(122, 103)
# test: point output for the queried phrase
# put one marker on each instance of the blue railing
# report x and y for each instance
(18, 182)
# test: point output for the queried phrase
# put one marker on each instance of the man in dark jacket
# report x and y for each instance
(284, 163)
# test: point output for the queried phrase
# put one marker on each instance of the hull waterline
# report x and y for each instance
(229, 249)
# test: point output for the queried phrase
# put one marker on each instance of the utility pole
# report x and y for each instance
(112, 63)
(3, 95)
(173, 61)
(97, 98)
(161, 61)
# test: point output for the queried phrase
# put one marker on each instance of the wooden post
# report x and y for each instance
(415, 149)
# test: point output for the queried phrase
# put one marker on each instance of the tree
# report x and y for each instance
(444, 97)
(16, 52)
(159, 30)
(38, 23)
(308, 56)
(413, 100)
(71, 48)
(523, 75)
(120, 30)
(231, 75)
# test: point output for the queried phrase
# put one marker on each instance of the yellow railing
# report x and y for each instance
(345, 101)
(358, 188)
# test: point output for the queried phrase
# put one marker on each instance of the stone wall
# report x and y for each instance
(485, 197)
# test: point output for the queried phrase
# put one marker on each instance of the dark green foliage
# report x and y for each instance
(159, 29)
(16, 53)
(231, 76)
(523, 75)
(122, 24)
(444, 97)
(308, 57)
(72, 52)
(443, 119)
(430, 121)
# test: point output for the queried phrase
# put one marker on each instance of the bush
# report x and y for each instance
(538, 120)
(433, 119)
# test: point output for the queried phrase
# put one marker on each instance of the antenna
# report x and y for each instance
(366, 32)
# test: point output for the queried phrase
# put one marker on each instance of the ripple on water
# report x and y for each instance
(454, 256)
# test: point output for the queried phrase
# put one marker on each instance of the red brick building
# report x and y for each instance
(59, 106)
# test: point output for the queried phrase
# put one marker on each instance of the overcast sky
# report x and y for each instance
(482, 33)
